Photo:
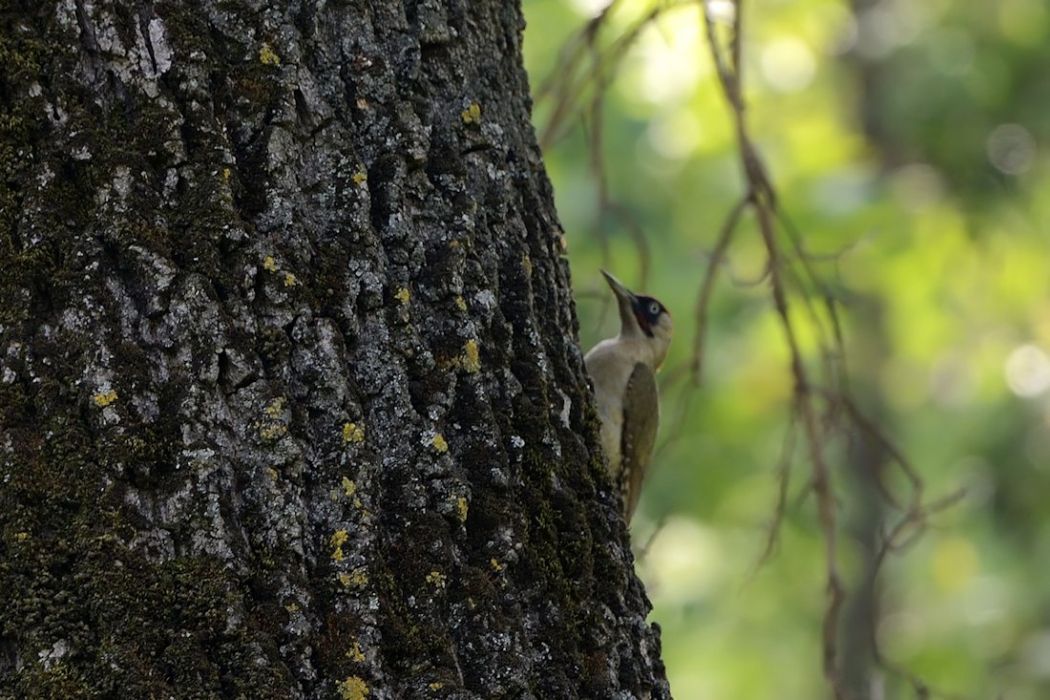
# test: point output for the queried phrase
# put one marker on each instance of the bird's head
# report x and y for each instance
(643, 318)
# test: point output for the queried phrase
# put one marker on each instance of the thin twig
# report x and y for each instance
(708, 285)
(762, 200)
(787, 453)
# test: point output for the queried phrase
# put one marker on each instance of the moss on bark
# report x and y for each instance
(291, 403)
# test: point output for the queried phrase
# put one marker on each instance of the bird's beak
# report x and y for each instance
(621, 292)
(625, 300)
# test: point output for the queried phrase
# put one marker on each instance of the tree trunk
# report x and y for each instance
(863, 673)
(291, 397)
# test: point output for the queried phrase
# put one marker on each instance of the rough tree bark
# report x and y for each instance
(291, 397)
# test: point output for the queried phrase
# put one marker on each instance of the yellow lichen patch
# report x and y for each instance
(357, 579)
(292, 608)
(272, 472)
(350, 491)
(471, 358)
(226, 172)
(353, 688)
(461, 303)
(355, 654)
(337, 541)
(269, 264)
(267, 56)
(461, 509)
(472, 114)
(439, 443)
(403, 295)
(359, 177)
(352, 432)
(290, 280)
(273, 431)
(526, 262)
(105, 398)
(436, 578)
(436, 685)
(275, 408)
(21, 536)
(496, 566)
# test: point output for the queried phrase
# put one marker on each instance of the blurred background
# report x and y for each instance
(908, 142)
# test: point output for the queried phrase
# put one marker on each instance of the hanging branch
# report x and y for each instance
(761, 199)
(822, 406)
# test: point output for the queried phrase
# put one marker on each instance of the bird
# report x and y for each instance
(623, 373)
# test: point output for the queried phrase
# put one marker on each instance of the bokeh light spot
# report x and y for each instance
(670, 55)
(721, 10)
(788, 64)
(676, 135)
(1023, 21)
(954, 563)
(1028, 371)
(683, 561)
(590, 8)
(917, 185)
(1011, 148)
(886, 26)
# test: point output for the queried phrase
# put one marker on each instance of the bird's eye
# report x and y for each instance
(654, 308)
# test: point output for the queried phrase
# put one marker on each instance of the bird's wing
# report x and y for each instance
(641, 415)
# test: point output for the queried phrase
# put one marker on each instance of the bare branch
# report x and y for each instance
(708, 285)
(762, 199)
(787, 453)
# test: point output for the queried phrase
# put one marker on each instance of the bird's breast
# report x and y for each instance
(609, 365)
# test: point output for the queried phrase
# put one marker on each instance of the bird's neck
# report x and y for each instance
(642, 348)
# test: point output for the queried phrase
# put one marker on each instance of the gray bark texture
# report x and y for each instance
(291, 398)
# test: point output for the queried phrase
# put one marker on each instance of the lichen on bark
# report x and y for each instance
(291, 399)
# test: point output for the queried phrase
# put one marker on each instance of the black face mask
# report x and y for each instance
(647, 311)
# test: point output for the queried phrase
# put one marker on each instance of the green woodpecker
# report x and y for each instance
(623, 370)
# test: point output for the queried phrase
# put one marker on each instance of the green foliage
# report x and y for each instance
(904, 143)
